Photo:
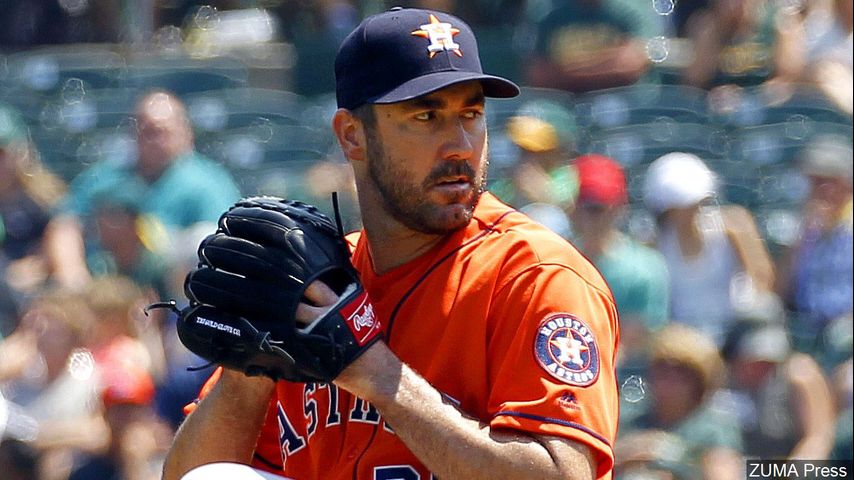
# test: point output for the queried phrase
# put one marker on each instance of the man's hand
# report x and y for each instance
(275, 294)
(320, 299)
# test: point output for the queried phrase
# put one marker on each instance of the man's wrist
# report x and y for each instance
(256, 386)
(374, 376)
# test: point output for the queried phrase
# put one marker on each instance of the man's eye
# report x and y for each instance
(425, 116)
(472, 114)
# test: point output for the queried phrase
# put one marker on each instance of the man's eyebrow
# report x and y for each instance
(428, 102)
(477, 99)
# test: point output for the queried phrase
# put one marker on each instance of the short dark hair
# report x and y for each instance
(366, 114)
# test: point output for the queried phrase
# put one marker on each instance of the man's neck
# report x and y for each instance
(391, 244)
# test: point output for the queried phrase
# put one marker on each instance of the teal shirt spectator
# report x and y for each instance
(193, 189)
(704, 430)
(638, 279)
(577, 24)
(587, 45)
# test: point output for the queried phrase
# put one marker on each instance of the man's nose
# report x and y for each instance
(458, 144)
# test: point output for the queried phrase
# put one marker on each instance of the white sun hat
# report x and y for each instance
(677, 180)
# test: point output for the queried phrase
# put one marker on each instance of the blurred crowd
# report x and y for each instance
(699, 152)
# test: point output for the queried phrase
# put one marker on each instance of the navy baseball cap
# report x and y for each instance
(405, 53)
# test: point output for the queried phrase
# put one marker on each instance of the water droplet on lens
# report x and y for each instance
(73, 91)
(798, 126)
(206, 17)
(81, 364)
(262, 129)
(74, 8)
(658, 49)
(663, 7)
(168, 38)
(633, 389)
(127, 125)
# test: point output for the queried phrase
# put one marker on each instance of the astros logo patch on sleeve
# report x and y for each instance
(566, 349)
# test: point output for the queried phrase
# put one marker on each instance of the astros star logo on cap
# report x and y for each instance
(441, 36)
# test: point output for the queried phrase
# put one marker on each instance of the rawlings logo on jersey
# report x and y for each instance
(360, 318)
(565, 348)
(441, 36)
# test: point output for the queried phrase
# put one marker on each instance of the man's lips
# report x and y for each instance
(457, 186)
(454, 180)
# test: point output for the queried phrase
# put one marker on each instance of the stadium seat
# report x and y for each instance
(806, 102)
(499, 110)
(71, 68)
(641, 103)
(184, 75)
(778, 143)
(635, 146)
(759, 106)
(255, 147)
(225, 109)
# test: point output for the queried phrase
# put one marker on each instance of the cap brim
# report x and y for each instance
(495, 87)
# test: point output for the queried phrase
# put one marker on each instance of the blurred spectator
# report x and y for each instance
(138, 439)
(118, 304)
(686, 370)
(651, 455)
(478, 13)
(739, 42)
(323, 178)
(545, 133)
(716, 250)
(822, 52)
(181, 187)
(842, 380)
(50, 382)
(177, 12)
(9, 308)
(584, 45)
(781, 397)
(148, 341)
(316, 29)
(636, 273)
(126, 348)
(129, 243)
(28, 192)
(18, 461)
(816, 276)
(40, 22)
(683, 10)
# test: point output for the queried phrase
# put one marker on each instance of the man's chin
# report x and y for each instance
(446, 218)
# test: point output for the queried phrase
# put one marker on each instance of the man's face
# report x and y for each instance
(163, 134)
(590, 219)
(427, 158)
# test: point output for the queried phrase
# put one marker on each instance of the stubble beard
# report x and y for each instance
(407, 201)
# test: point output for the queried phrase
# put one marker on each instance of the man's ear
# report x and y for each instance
(350, 134)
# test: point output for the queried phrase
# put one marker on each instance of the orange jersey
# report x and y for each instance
(504, 318)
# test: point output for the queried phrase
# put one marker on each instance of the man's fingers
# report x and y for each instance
(320, 294)
(307, 313)
(321, 297)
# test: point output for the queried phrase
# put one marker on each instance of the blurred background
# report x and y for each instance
(697, 151)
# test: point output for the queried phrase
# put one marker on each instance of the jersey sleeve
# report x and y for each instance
(553, 351)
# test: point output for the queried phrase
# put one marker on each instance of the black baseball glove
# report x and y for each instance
(253, 273)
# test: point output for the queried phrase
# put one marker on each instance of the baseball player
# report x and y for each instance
(478, 344)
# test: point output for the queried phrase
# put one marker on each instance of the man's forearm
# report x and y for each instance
(66, 252)
(451, 444)
(224, 427)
